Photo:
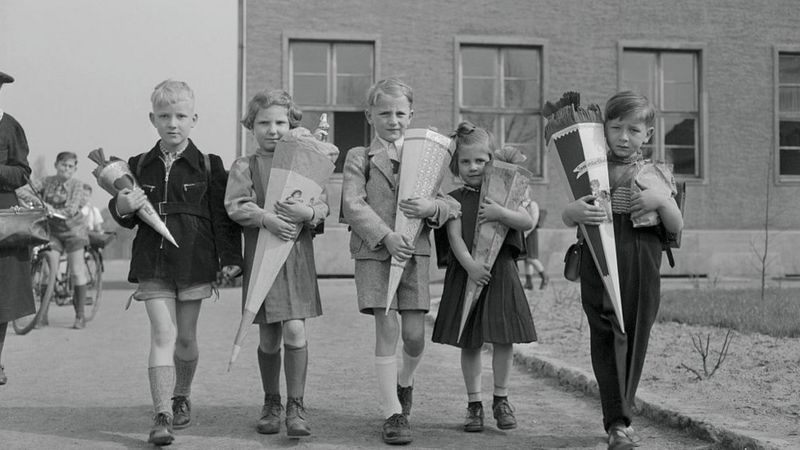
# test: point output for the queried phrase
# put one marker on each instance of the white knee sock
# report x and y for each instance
(405, 377)
(386, 368)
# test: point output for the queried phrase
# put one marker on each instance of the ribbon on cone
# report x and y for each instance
(425, 159)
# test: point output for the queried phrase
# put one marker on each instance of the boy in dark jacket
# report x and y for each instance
(187, 189)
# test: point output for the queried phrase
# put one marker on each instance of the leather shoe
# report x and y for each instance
(618, 438)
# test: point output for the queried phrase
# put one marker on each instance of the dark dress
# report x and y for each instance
(501, 314)
(15, 269)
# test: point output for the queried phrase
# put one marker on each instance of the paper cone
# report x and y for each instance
(114, 176)
(581, 146)
(425, 159)
(505, 184)
(303, 164)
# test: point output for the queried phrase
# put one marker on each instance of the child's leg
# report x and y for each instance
(502, 360)
(542, 274)
(528, 273)
(471, 370)
(161, 312)
(269, 364)
(413, 328)
(387, 331)
(80, 278)
(3, 328)
(186, 351)
(296, 367)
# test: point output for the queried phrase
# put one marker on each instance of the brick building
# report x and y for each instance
(724, 76)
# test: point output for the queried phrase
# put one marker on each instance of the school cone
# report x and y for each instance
(114, 175)
(578, 136)
(301, 163)
(425, 157)
(504, 184)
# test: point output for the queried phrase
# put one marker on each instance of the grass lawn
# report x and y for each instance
(743, 310)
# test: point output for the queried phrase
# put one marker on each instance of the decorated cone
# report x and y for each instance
(301, 164)
(114, 175)
(426, 155)
(578, 136)
(505, 184)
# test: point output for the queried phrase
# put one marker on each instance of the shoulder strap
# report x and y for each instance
(139, 165)
(255, 176)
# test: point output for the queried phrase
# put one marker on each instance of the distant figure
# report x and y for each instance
(532, 244)
(91, 214)
(15, 266)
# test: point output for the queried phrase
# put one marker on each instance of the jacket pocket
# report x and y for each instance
(194, 192)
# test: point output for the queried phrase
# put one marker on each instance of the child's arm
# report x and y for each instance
(363, 220)
(480, 273)
(661, 202)
(227, 233)
(582, 211)
(240, 203)
(491, 211)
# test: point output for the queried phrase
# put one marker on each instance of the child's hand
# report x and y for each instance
(490, 211)
(227, 274)
(647, 200)
(279, 227)
(479, 273)
(293, 211)
(130, 200)
(397, 246)
(417, 207)
(581, 211)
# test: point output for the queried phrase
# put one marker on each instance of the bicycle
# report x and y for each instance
(57, 287)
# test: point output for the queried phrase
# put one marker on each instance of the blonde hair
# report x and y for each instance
(265, 99)
(171, 91)
(392, 87)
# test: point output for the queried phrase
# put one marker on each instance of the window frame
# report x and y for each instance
(497, 42)
(699, 49)
(328, 38)
(779, 179)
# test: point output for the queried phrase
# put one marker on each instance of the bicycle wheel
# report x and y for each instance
(94, 289)
(40, 274)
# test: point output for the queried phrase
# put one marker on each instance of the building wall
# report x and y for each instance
(416, 41)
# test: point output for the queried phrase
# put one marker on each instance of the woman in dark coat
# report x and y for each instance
(15, 272)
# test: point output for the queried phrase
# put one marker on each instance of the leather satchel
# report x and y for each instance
(572, 261)
(23, 227)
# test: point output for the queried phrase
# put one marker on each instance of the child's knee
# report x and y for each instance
(270, 337)
(164, 337)
(294, 333)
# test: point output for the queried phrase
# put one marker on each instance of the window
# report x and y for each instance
(333, 78)
(500, 89)
(789, 116)
(670, 79)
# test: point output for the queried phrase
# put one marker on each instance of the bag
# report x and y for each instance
(23, 227)
(572, 261)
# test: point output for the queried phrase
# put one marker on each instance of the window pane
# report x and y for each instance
(790, 162)
(682, 159)
(349, 129)
(310, 89)
(789, 68)
(521, 63)
(679, 86)
(478, 61)
(310, 57)
(638, 72)
(354, 59)
(789, 99)
(679, 131)
(522, 94)
(790, 134)
(478, 92)
(523, 132)
(351, 90)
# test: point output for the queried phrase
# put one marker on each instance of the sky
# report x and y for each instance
(85, 70)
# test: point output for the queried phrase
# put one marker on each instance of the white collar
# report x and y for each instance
(398, 144)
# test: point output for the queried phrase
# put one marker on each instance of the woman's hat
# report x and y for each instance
(6, 78)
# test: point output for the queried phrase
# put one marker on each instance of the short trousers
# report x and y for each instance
(372, 279)
(161, 288)
(68, 243)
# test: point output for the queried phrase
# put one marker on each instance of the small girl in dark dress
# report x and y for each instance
(501, 315)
